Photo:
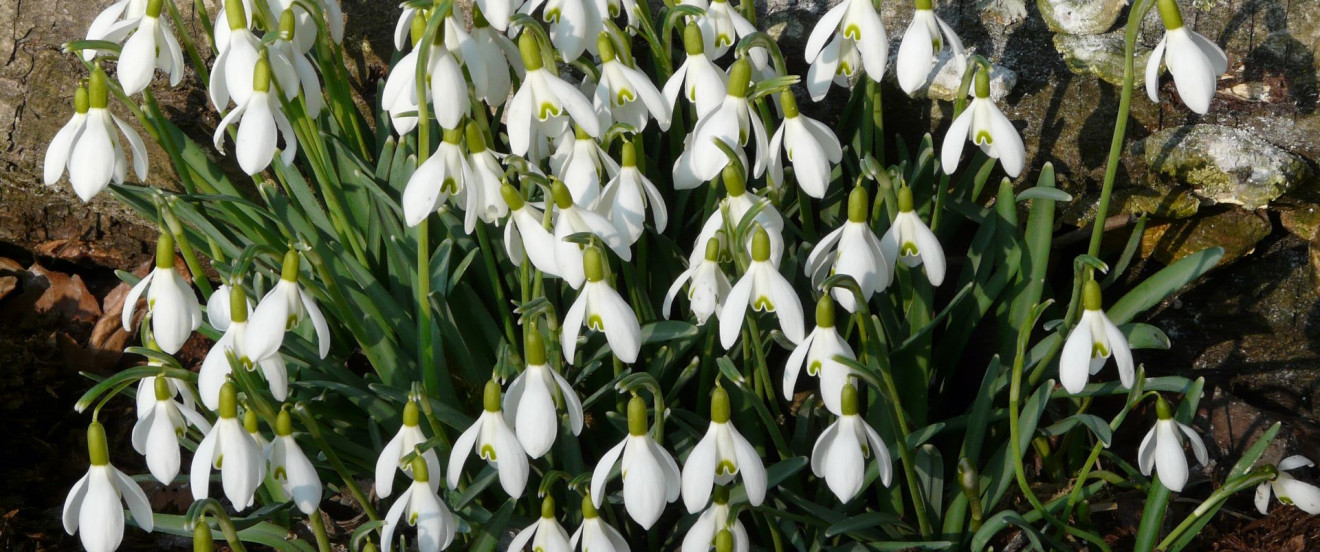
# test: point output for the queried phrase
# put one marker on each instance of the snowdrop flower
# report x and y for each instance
(859, 26)
(524, 233)
(1092, 341)
(627, 197)
(840, 452)
(151, 46)
(722, 26)
(811, 147)
(447, 90)
(218, 313)
(986, 126)
(922, 43)
(733, 209)
(837, 63)
(405, 441)
(911, 242)
(156, 434)
(594, 534)
(763, 288)
(852, 249)
(305, 22)
(491, 439)
(1193, 59)
(215, 368)
(600, 308)
(583, 166)
(282, 309)
(707, 284)
(235, 64)
(260, 121)
(421, 507)
(88, 145)
(817, 351)
(1289, 490)
(494, 55)
(228, 447)
(92, 507)
(483, 189)
(498, 12)
(732, 122)
(289, 63)
(443, 175)
(114, 23)
(715, 523)
(571, 219)
(530, 403)
(1162, 449)
(698, 79)
(573, 24)
(650, 477)
(171, 304)
(146, 392)
(719, 456)
(546, 535)
(625, 94)
(252, 425)
(541, 103)
(291, 468)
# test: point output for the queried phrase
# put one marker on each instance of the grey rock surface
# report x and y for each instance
(1223, 164)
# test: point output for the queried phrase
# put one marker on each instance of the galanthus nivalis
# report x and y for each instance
(574, 24)
(840, 452)
(1193, 59)
(571, 219)
(732, 210)
(925, 38)
(294, 72)
(57, 153)
(1093, 340)
(722, 26)
(172, 307)
(156, 434)
(818, 352)
(544, 103)
(494, 56)
(446, 90)
(150, 47)
(852, 249)
(985, 125)
(629, 195)
(261, 120)
(719, 456)
(582, 165)
(92, 507)
(599, 307)
(216, 369)
(650, 477)
(856, 21)
(291, 468)
(545, 534)
(733, 122)
(236, 62)
(404, 442)
(1162, 449)
(218, 313)
(910, 241)
(1289, 490)
(498, 12)
(810, 146)
(530, 403)
(716, 523)
(524, 235)
(228, 447)
(282, 309)
(707, 284)
(698, 78)
(762, 288)
(421, 507)
(146, 392)
(626, 95)
(88, 145)
(444, 174)
(483, 191)
(491, 439)
(114, 23)
(595, 535)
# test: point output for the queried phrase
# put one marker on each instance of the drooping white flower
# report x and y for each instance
(494, 55)
(228, 447)
(840, 453)
(762, 288)
(698, 79)
(156, 434)
(837, 63)
(712, 522)
(1194, 60)
(910, 241)
(484, 200)
(216, 369)
(1092, 341)
(720, 455)
(114, 23)
(571, 219)
(404, 442)
(859, 30)
(421, 507)
(732, 210)
(92, 508)
(291, 468)
(817, 352)
(530, 403)
(172, 307)
(57, 153)
(305, 22)
(650, 477)
(150, 47)
(88, 145)
(925, 38)
(733, 122)
(261, 120)
(599, 307)
(985, 125)
(1289, 490)
(146, 391)
(707, 284)
(574, 24)
(491, 439)
(595, 535)
(447, 91)
(236, 63)
(1162, 449)
(582, 165)
(545, 534)
(628, 196)
(497, 12)
(723, 26)
(524, 234)
(626, 95)
(811, 147)
(852, 249)
(545, 103)
(282, 309)
(293, 70)
(444, 175)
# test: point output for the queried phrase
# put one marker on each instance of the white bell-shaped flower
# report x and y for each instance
(983, 124)
(764, 289)
(599, 307)
(305, 21)
(282, 309)
(910, 241)
(925, 38)
(218, 313)
(722, 27)
(650, 477)
(582, 165)
(172, 307)
(714, 522)
(491, 439)
(497, 12)
(1289, 490)
(545, 104)
(707, 285)
(841, 451)
(698, 79)
(419, 506)
(1093, 340)
(114, 23)
(574, 24)
(178, 389)
(228, 447)
(156, 434)
(447, 91)
(291, 468)
(545, 534)
(150, 47)
(524, 234)
(236, 63)
(88, 145)
(484, 200)
(856, 21)
(1162, 449)
(852, 249)
(626, 95)
(628, 196)
(216, 369)
(733, 122)
(817, 352)
(404, 442)
(720, 455)
(1194, 60)
(261, 121)
(293, 70)
(57, 153)
(732, 210)
(811, 147)
(595, 535)
(92, 508)
(443, 175)
(571, 219)
(837, 63)
(493, 57)
(530, 403)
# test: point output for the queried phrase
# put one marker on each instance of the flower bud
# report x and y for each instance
(713, 249)
(236, 14)
(636, 416)
(629, 154)
(80, 103)
(250, 421)
(760, 245)
(588, 509)
(563, 197)
(202, 539)
(228, 400)
(719, 405)
(98, 91)
(1091, 296)
(490, 400)
(606, 48)
(418, 27)
(859, 204)
(591, 264)
(97, 449)
(905, 199)
(410, 415)
(789, 102)
(724, 541)
(284, 423)
(287, 25)
(1170, 14)
(476, 140)
(1163, 410)
(238, 311)
(548, 507)
(734, 183)
(983, 83)
(162, 388)
(693, 43)
(535, 347)
(922, 4)
(261, 74)
(153, 8)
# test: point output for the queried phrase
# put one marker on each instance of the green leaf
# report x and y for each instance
(1045, 193)
(667, 330)
(1098, 427)
(1163, 284)
(1145, 336)
(868, 520)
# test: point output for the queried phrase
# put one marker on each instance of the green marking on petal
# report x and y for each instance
(552, 16)
(219, 461)
(982, 138)
(723, 40)
(725, 467)
(909, 249)
(449, 186)
(937, 43)
(813, 368)
(412, 518)
(487, 453)
(1098, 350)
(845, 69)
(852, 32)
(290, 323)
(547, 111)
(281, 473)
(763, 304)
(596, 323)
(624, 96)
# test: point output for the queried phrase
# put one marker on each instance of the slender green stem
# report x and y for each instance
(496, 283)
(222, 521)
(425, 354)
(318, 529)
(1256, 477)
(314, 428)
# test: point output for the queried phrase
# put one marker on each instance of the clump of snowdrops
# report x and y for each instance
(588, 276)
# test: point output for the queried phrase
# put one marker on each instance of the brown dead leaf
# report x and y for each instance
(7, 285)
(64, 295)
(10, 265)
(77, 250)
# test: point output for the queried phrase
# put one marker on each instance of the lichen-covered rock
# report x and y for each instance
(947, 79)
(1236, 230)
(1101, 56)
(1222, 164)
(1165, 202)
(1080, 17)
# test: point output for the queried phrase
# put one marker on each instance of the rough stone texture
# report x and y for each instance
(1101, 56)
(1223, 164)
(1235, 230)
(1080, 17)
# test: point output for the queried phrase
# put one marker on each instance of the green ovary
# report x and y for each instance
(290, 323)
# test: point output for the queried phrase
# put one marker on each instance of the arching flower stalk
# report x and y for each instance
(261, 120)
(1090, 344)
(291, 468)
(698, 78)
(910, 241)
(150, 47)
(156, 434)
(650, 477)
(599, 307)
(854, 250)
(762, 288)
(530, 403)
(172, 307)
(406, 441)
(92, 507)
(925, 39)
(840, 453)
(810, 146)
(818, 352)
(985, 125)
(720, 455)
(228, 447)
(491, 439)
